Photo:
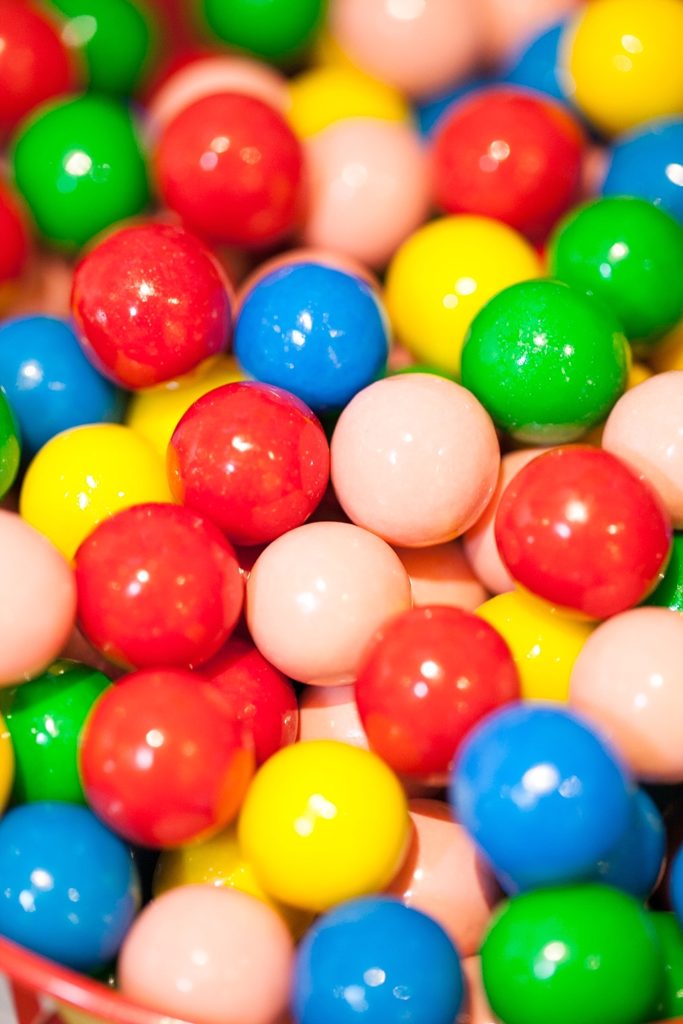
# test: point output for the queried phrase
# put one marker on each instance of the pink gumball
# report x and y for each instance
(441, 575)
(369, 188)
(415, 459)
(475, 1009)
(645, 429)
(420, 46)
(628, 681)
(209, 955)
(37, 600)
(331, 713)
(317, 595)
(509, 26)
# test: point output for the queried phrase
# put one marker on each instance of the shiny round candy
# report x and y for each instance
(578, 528)
(53, 901)
(252, 458)
(585, 953)
(441, 277)
(624, 252)
(671, 944)
(541, 794)
(230, 166)
(15, 245)
(150, 303)
(318, 331)
(545, 361)
(322, 96)
(277, 30)
(648, 162)
(323, 822)
(79, 167)
(635, 864)
(10, 447)
(669, 592)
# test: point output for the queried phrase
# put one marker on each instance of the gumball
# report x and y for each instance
(545, 361)
(278, 30)
(635, 864)
(316, 596)
(78, 165)
(10, 447)
(430, 111)
(163, 760)
(536, 954)
(15, 242)
(541, 794)
(375, 956)
(86, 474)
(536, 64)
(51, 384)
(428, 676)
(324, 822)
(45, 718)
(624, 251)
(507, 26)
(415, 459)
(441, 277)
(213, 955)
(230, 166)
(440, 575)
(319, 97)
(669, 592)
(318, 331)
(331, 713)
(648, 162)
(671, 945)
(252, 458)
(509, 154)
(676, 886)
(47, 854)
(37, 601)
(578, 528)
(622, 62)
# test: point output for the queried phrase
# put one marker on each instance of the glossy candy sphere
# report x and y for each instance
(150, 303)
(232, 169)
(669, 593)
(536, 64)
(47, 853)
(277, 30)
(79, 167)
(15, 243)
(440, 574)
(393, 961)
(324, 822)
(321, 96)
(648, 162)
(545, 361)
(535, 956)
(578, 528)
(163, 760)
(541, 794)
(10, 445)
(427, 677)
(318, 331)
(671, 945)
(331, 713)
(252, 458)
(635, 864)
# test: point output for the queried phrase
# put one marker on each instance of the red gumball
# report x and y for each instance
(259, 694)
(151, 303)
(14, 248)
(428, 677)
(163, 759)
(251, 457)
(577, 527)
(510, 154)
(157, 585)
(232, 168)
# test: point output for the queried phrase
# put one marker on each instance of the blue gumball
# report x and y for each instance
(376, 960)
(429, 112)
(49, 381)
(541, 794)
(537, 66)
(676, 886)
(316, 331)
(69, 886)
(635, 864)
(648, 163)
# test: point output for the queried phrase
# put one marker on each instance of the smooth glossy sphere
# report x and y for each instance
(324, 822)
(541, 794)
(536, 64)
(535, 955)
(277, 30)
(232, 169)
(648, 162)
(440, 574)
(15, 243)
(331, 713)
(545, 361)
(578, 528)
(150, 303)
(316, 596)
(636, 863)
(428, 676)
(415, 459)
(252, 458)
(669, 593)
(10, 445)
(163, 758)
(442, 275)
(624, 251)
(671, 944)
(79, 167)
(321, 96)
(45, 718)
(51, 384)
(318, 331)
(47, 855)
(89, 473)
(507, 26)
(215, 956)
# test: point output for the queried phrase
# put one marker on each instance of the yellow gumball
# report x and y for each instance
(544, 643)
(443, 274)
(324, 822)
(85, 475)
(623, 62)
(6, 764)
(321, 96)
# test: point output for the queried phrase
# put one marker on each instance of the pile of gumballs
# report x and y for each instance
(341, 457)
